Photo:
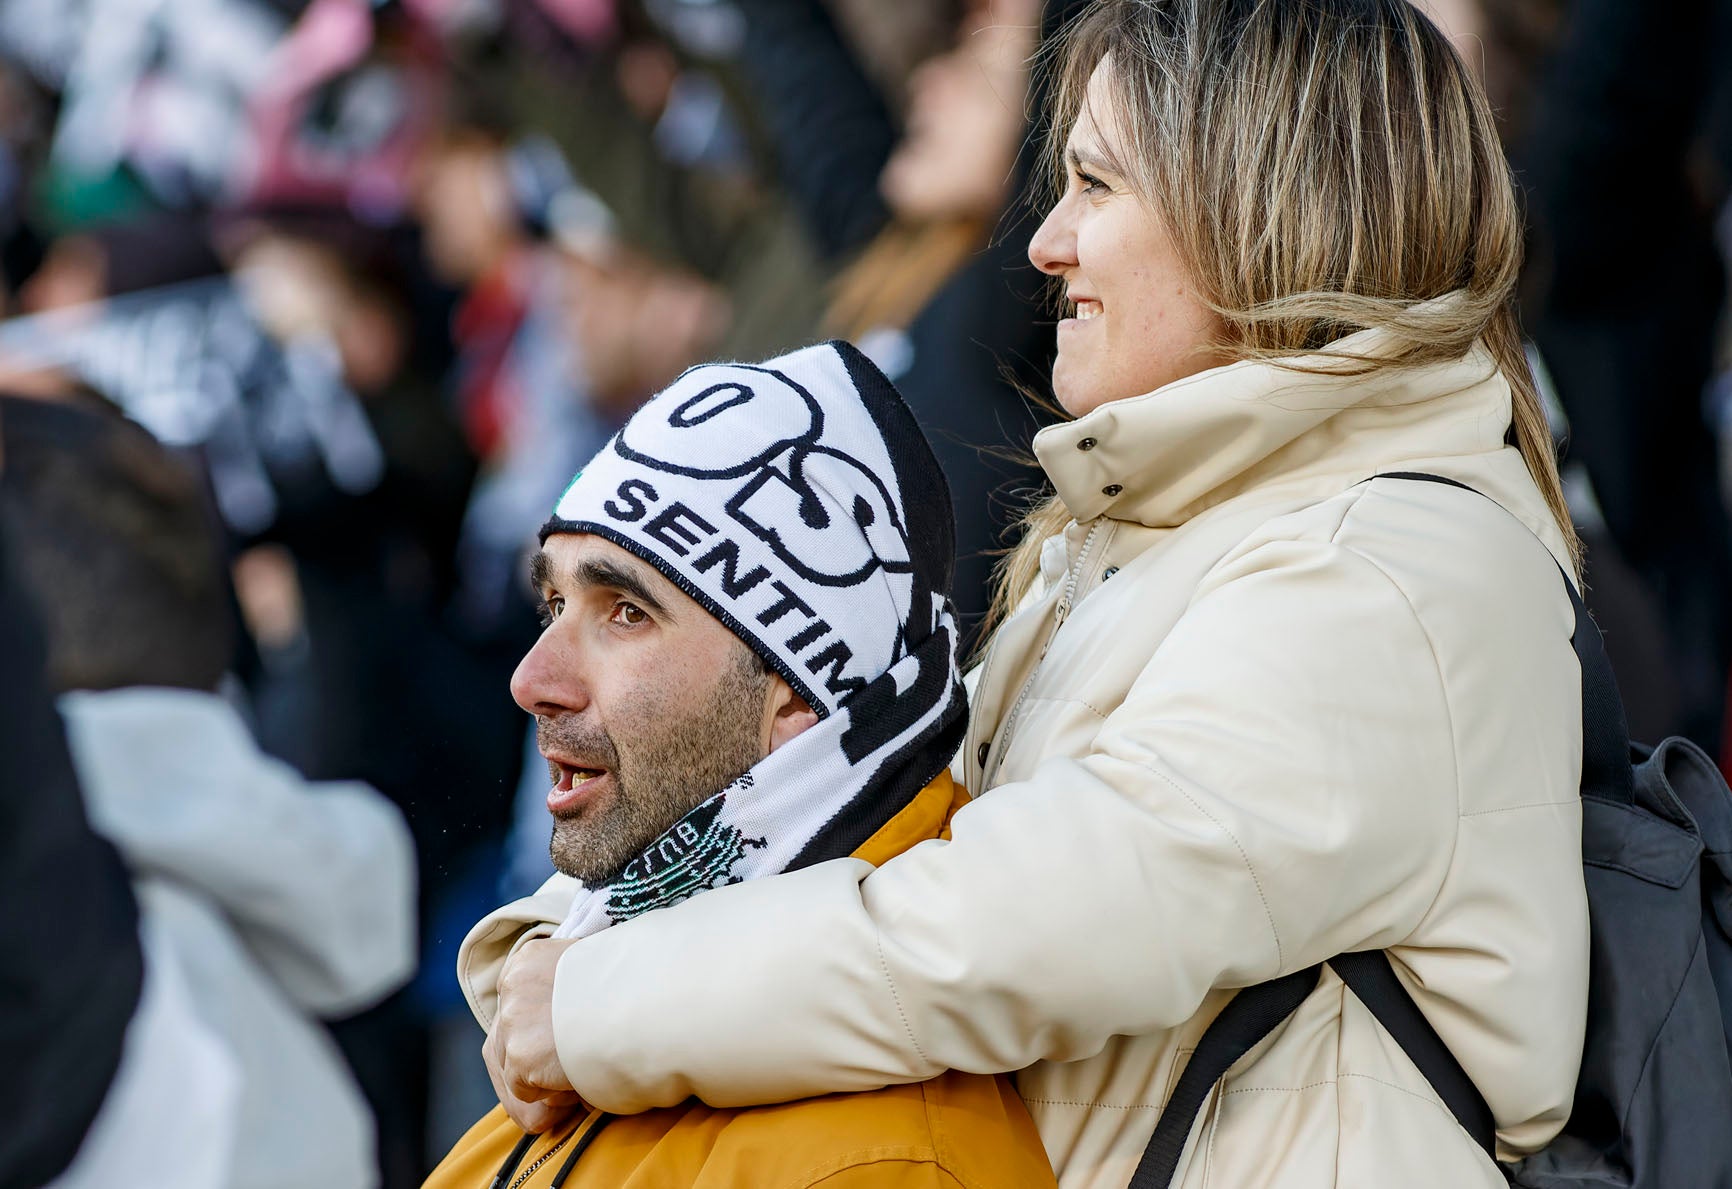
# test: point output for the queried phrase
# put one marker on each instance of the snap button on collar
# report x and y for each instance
(1111, 489)
(1087, 444)
(980, 754)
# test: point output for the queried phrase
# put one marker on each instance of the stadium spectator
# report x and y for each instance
(286, 903)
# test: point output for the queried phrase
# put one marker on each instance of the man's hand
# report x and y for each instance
(535, 1117)
(520, 1053)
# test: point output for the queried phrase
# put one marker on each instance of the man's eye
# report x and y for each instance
(550, 609)
(629, 613)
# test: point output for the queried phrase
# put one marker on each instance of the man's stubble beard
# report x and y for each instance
(669, 767)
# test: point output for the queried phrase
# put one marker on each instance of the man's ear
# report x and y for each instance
(788, 713)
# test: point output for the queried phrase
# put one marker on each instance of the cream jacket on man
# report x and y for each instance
(1262, 712)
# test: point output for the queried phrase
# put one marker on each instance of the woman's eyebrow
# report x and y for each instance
(1085, 160)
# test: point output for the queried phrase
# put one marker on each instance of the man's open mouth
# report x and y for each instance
(568, 777)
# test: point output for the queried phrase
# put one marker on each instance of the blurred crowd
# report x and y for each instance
(388, 273)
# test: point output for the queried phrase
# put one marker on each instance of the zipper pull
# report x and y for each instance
(1059, 615)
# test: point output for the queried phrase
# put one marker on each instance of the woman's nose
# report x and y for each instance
(1053, 246)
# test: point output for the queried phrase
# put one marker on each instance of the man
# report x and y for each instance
(105, 1067)
(278, 902)
(748, 667)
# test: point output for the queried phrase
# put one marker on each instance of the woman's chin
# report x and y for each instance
(1076, 391)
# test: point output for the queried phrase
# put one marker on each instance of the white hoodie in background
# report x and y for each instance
(284, 902)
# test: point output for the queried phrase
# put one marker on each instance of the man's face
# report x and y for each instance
(645, 705)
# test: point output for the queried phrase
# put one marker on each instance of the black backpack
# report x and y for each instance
(1653, 1105)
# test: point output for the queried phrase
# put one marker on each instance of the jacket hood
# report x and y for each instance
(1163, 457)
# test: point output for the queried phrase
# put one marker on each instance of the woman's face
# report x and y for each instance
(1136, 321)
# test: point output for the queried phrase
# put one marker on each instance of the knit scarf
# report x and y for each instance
(779, 497)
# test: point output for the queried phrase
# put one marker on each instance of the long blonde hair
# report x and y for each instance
(1324, 167)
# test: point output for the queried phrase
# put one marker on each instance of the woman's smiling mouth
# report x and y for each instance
(1081, 309)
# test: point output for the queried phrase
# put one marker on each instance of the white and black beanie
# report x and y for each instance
(798, 502)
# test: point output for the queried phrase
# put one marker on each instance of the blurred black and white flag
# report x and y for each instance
(191, 364)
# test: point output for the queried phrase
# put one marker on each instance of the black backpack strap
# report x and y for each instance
(1248, 1017)
(1371, 977)
(1254, 1012)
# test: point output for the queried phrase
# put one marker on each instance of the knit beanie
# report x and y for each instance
(778, 496)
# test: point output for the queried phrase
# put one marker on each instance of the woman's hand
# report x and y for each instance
(520, 1053)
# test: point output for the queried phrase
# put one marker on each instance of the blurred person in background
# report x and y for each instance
(1628, 290)
(532, 398)
(107, 1072)
(1606, 109)
(286, 903)
(663, 145)
(90, 1018)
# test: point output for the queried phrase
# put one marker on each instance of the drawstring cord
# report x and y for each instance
(578, 1150)
(502, 1179)
(512, 1161)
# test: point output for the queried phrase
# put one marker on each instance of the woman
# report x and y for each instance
(1253, 707)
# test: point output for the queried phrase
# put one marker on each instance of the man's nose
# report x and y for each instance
(548, 679)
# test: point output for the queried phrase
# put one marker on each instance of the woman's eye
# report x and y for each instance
(1090, 184)
(628, 613)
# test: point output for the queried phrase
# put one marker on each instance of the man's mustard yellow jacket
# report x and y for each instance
(957, 1130)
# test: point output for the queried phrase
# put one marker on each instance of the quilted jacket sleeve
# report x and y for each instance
(1277, 786)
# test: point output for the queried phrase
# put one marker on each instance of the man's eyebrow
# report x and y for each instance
(540, 571)
(598, 572)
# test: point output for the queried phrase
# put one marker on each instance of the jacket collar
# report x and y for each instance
(1163, 457)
